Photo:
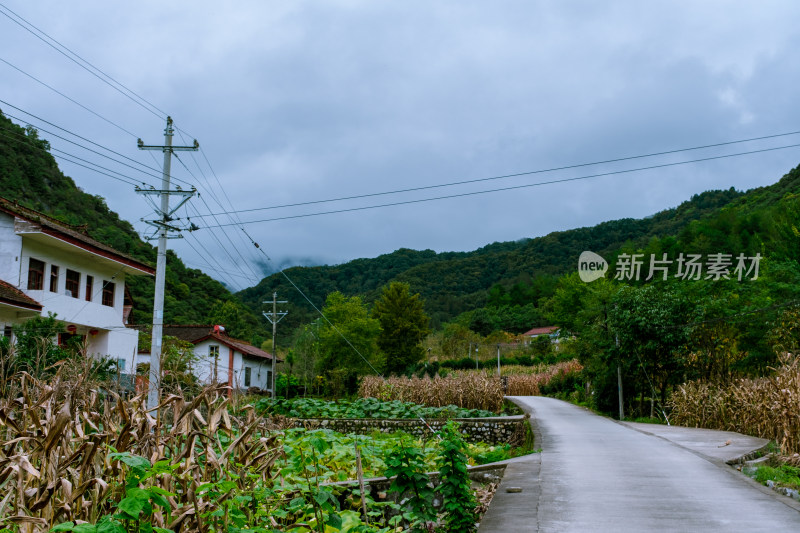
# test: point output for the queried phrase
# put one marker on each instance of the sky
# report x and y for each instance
(300, 102)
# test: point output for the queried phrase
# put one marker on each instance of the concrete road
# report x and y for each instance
(596, 475)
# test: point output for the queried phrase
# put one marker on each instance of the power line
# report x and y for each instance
(518, 174)
(79, 137)
(124, 179)
(510, 188)
(81, 62)
(34, 78)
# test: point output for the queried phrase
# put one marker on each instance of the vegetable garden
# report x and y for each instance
(78, 458)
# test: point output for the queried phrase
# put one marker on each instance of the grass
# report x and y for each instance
(783, 475)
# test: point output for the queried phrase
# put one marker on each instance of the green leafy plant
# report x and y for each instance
(406, 463)
(454, 487)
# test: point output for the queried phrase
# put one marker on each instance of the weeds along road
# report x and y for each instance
(597, 475)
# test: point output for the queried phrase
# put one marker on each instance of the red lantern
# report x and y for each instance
(72, 328)
(92, 332)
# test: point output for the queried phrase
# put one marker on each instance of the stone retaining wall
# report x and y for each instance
(494, 430)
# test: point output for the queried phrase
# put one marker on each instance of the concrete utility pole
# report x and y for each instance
(619, 383)
(498, 360)
(274, 318)
(163, 228)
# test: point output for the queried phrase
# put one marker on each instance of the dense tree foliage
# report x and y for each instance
(404, 325)
(348, 342)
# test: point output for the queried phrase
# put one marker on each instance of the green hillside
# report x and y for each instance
(30, 175)
(452, 283)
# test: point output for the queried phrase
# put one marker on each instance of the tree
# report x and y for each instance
(348, 340)
(404, 325)
(648, 321)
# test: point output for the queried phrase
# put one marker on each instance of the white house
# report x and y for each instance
(220, 358)
(47, 266)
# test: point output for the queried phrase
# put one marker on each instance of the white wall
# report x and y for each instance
(74, 310)
(10, 251)
(203, 367)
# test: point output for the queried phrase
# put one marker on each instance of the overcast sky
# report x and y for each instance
(301, 101)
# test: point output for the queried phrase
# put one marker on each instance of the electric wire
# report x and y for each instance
(255, 276)
(216, 200)
(85, 140)
(84, 64)
(98, 115)
(518, 174)
(213, 257)
(21, 139)
(307, 299)
(513, 187)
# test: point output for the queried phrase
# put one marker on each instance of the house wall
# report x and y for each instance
(10, 251)
(111, 338)
(203, 367)
(74, 310)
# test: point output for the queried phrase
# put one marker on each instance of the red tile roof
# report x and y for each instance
(11, 295)
(75, 235)
(197, 333)
(546, 330)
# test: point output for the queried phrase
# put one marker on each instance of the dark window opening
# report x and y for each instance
(53, 278)
(247, 376)
(35, 275)
(73, 283)
(108, 293)
(89, 283)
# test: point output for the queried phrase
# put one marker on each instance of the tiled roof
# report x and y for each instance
(11, 295)
(547, 330)
(189, 333)
(74, 234)
(197, 333)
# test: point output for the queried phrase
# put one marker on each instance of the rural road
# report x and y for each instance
(597, 475)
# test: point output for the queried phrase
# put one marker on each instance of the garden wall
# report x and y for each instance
(494, 430)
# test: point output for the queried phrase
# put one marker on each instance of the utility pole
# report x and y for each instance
(274, 318)
(498, 360)
(163, 227)
(619, 382)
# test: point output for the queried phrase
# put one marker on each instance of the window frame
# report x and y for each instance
(89, 284)
(35, 275)
(248, 374)
(54, 275)
(72, 283)
(108, 293)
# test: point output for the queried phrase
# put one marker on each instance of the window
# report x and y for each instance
(269, 379)
(53, 278)
(247, 376)
(108, 293)
(213, 351)
(121, 364)
(73, 283)
(89, 283)
(7, 331)
(35, 274)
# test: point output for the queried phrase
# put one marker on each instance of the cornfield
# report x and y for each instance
(473, 390)
(530, 384)
(67, 453)
(767, 407)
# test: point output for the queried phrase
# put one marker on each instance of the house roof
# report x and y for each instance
(241, 346)
(74, 235)
(197, 333)
(10, 295)
(546, 330)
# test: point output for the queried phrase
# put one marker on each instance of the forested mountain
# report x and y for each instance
(452, 283)
(29, 175)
